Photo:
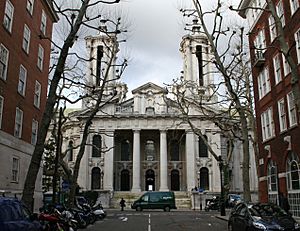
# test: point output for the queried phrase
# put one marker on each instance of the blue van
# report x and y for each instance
(155, 200)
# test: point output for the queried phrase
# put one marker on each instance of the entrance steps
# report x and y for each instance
(183, 199)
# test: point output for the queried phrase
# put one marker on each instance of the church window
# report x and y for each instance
(200, 63)
(125, 150)
(98, 67)
(97, 146)
(202, 147)
(150, 110)
(70, 151)
(174, 150)
(150, 150)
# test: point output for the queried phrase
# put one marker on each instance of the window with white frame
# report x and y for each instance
(29, 6)
(4, 54)
(267, 124)
(272, 27)
(277, 68)
(260, 40)
(18, 122)
(263, 83)
(15, 169)
(1, 109)
(280, 12)
(294, 5)
(8, 15)
(293, 172)
(34, 131)
(297, 39)
(22, 80)
(40, 57)
(43, 22)
(272, 182)
(282, 115)
(286, 66)
(292, 109)
(37, 94)
(26, 39)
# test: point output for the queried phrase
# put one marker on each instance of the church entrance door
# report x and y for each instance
(175, 180)
(125, 180)
(150, 180)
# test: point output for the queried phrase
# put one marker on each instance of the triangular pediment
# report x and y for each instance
(149, 87)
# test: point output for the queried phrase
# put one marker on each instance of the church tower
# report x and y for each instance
(102, 50)
(197, 66)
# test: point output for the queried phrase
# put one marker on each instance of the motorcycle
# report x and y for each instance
(213, 204)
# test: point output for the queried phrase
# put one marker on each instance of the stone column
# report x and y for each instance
(190, 160)
(163, 162)
(108, 177)
(136, 165)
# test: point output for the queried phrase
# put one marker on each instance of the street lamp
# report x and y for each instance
(222, 201)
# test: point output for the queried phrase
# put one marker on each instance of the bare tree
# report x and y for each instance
(228, 50)
(76, 18)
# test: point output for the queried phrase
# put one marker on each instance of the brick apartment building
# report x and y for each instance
(277, 118)
(24, 64)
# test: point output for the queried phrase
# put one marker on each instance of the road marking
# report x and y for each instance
(149, 223)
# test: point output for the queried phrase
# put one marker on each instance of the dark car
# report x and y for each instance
(14, 216)
(260, 216)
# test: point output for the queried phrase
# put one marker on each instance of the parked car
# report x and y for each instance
(14, 216)
(155, 200)
(260, 216)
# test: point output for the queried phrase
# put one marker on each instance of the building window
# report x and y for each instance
(18, 122)
(263, 83)
(294, 6)
(292, 109)
(1, 109)
(22, 80)
(202, 147)
(40, 57)
(267, 124)
(150, 150)
(260, 40)
(97, 145)
(272, 182)
(96, 178)
(37, 94)
(15, 169)
(280, 12)
(8, 15)
(272, 27)
(125, 150)
(286, 66)
(277, 68)
(174, 150)
(29, 6)
(3, 61)
(282, 115)
(297, 39)
(34, 131)
(26, 39)
(293, 172)
(43, 22)
(70, 151)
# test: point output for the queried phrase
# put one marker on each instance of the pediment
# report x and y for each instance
(149, 88)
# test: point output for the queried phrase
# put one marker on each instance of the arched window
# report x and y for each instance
(125, 180)
(97, 141)
(174, 150)
(175, 180)
(70, 151)
(204, 178)
(150, 150)
(96, 178)
(272, 177)
(293, 172)
(125, 150)
(202, 147)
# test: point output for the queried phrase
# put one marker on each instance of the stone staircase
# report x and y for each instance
(183, 199)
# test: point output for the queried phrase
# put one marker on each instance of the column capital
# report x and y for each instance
(138, 130)
(163, 130)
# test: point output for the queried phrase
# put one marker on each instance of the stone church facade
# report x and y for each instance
(143, 143)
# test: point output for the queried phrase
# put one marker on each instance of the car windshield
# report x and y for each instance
(263, 210)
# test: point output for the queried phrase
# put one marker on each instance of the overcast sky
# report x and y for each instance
(156, 29)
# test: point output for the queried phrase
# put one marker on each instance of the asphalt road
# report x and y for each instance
(155, 220)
